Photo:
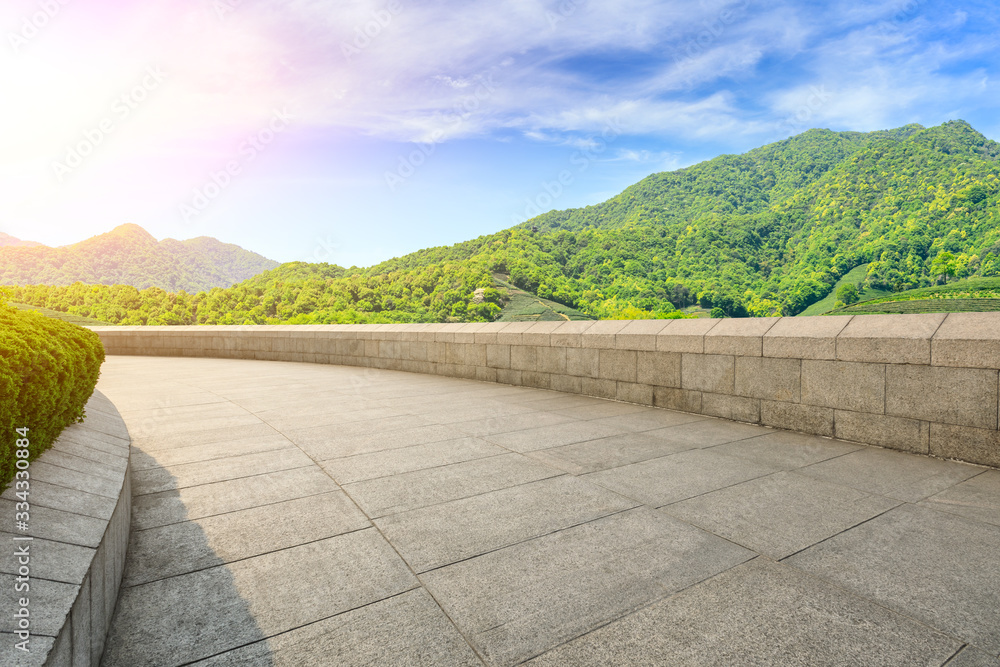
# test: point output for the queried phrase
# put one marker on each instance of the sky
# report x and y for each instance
(353, 131)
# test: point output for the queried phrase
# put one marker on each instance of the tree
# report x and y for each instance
(944, 265)
(847, 293)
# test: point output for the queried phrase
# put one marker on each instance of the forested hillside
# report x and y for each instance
(763, 233)
(128, 255)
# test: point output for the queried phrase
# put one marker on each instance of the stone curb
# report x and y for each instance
(79, 540)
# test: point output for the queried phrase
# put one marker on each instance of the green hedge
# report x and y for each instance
(48, 370)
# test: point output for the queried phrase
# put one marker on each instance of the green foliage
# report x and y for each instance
(847, 293)
(48, 370)
(128, 255)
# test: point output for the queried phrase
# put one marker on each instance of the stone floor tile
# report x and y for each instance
(939, 568)
(976, 498)
(618, 450)
(408, 459)
(519, 601)
(760, 613)
(195, 616)
(400, 493)
(780, 514)
(167, 477)
(434, 536)
(890, 473)
(786, 450)
(408, 629)
(178, 548)
(544, 437)
(195, 502)
(669, 479)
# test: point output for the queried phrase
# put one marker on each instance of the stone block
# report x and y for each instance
(539, 333)
(685, 335)
(971, 340)
(601, 334)
(892, 339)
(437, 353)
(466, 333)
(583, 362)
(475, 355)
(618, 365)
(551, 359)
(511, 334)
(569, 334)
(535, 379)
(763, 377)
(631, 392)
(640, 334)
(909, 435)
(507, 376)
(522, 357)
(805, 337)
(488, 334)
(677, 399)
(659, 368)
(498, 356)
(598, 388)
(569, 384)
(742, 336)
(962, 396)
(486, 374)
(708, 372)
(804, 418)
(737, 408)
(975, 445)
(845, 385)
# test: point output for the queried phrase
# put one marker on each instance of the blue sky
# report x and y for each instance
(355, 131)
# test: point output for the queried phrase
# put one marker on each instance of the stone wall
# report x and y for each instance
(920, 383)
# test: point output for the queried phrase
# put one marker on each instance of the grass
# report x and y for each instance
(963, 296)
(66, 317)
(526, 307)
(855, 276)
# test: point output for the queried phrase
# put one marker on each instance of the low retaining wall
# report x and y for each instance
(920, 383)
(80, 502)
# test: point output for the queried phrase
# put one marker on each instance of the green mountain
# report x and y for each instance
(129, 255)
(767, 232)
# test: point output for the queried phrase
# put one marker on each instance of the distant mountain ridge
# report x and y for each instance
(129, 255)
(6, 240)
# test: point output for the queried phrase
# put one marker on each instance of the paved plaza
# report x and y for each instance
(303, 514)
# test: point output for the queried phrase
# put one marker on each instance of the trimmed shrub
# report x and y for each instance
(48, 371)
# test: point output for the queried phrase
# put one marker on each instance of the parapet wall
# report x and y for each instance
(920, 383)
